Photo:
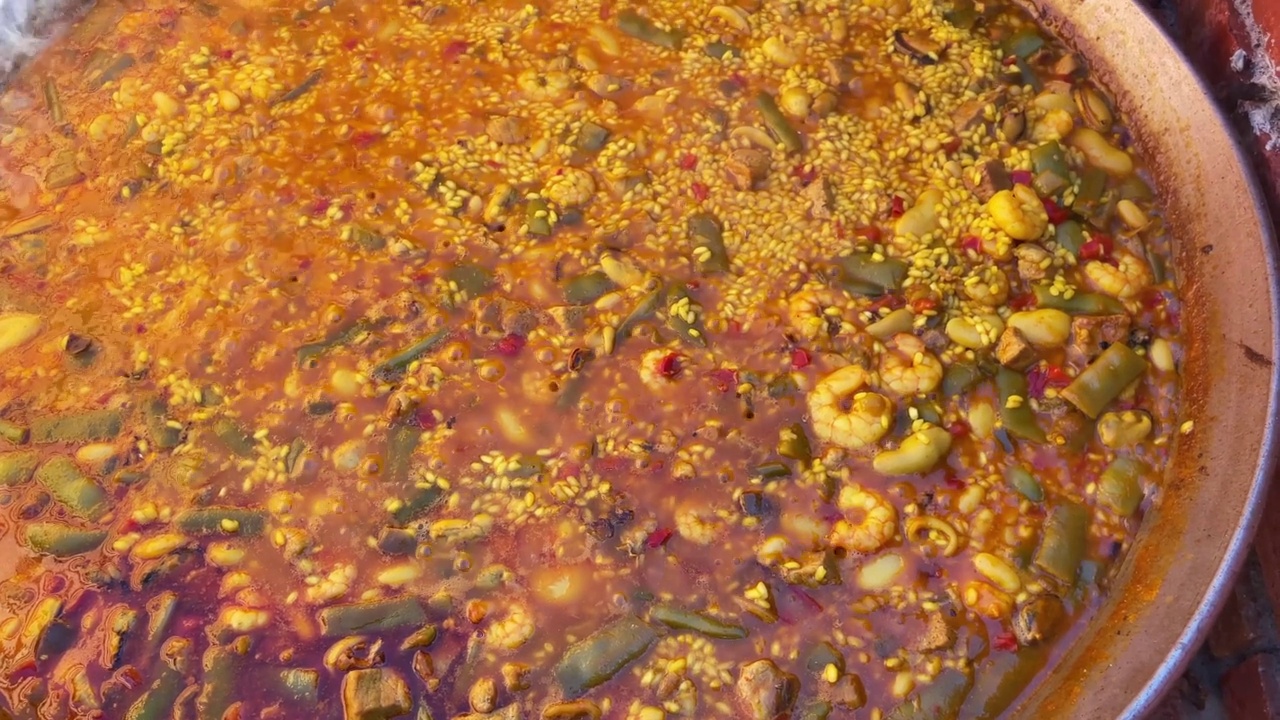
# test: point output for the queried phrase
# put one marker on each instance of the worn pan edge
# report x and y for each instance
(1133, 24)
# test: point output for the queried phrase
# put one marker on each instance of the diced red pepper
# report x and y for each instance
(952, 145)
(365, 138)
(658, 538)
(870, 233)
(606, 9)
(509, 345)
(228, 53)
(1005, 642)
(1097, 247)
(1043, 377)
(302, 261)
(700, 191)
(568, 470)
(805, 176)
(897, 206)
(954, 482)
(1022, 301)
(688, 161)
(738, 80)
(958, 429)
(611, 464)
(1057, 376)
(320, 206)
(725, 379)
(893, 302)
(839, 230)
(924, 304)
(1009, 61)
(800, 358)
(455, 49)
(971, 242)
(424, 418)
(1057, 214)
(669, 365)
(735, 327)
(1021, 177)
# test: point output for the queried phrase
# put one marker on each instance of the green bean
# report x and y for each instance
(793, 443)
(1119, 487)
(420, 501)
(642, 28)
(693, 332)
(402, 441)
(215, 520)
(898, 321)
(394, 367)
(586, 288)
(962, 14)
(701, 623)
(301, 88)
(643, 310)
(159, 614)
(234, 437)
(815, 710)
(1105, 378)
(300, 686)
(64, 481)
(82, 693)
(537, 217)
(113, 70)
(1070, 235)
(941, 699)
(421, 638)
(1020, 420)
(1029, 76)
(218, 690)
(592, 137)
(1062, 546)
(602, 655)
(705, 232)
(13, 433)
(469, 279)
(718, 50)
(1135, 188)
(1024, 43)
(778, 123)
(367, 239)
(1026, 485)
(822, 655)
(78, 427)
(959, 377)
(61, 540)
(773, 470)
(371, 616)
(1093, 185)
(53, 101)
(1049, 157)
(161, 434)
(16, 467)
(158, 700)
(119, 623)
(1079, 303)
(862, 275)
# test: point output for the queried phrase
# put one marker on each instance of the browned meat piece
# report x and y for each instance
(1014, 351)
(568, 317)
(819, 196)
(935, 340)
(993, 177)
(767, 692)
(494, 315)
(969, 115)
(1031, 261)
(1091, 334)
(937, 635)
(746, 166)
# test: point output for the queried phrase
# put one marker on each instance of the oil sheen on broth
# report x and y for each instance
(567, 360)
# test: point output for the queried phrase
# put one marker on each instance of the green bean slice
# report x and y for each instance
(83, 426)
(600, 656)
(371, 616)
(641, 28)
(778, 124)
(701, 623)
(1120, 487)
(17, 467)
(1019, 420)
(1063, 544)
(62, 540)
(64, 481)
(1105, 378)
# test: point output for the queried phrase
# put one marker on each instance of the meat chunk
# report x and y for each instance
(509, 316)
(1091, 334)
(992, 178)
(569, 317)
(746, 167)
(767, 692)
(1032, 261)
(969, 115)
(819, 196)
(1014, 351)
(937, 635)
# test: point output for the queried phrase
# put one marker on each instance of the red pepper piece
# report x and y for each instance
(669, 365)
(924, 304)
(509, 345)
(1005, 642)
(424, 418)
(1021, 177)
(700, 191)
(897, 206)
(688, 161)
(365, 138)
(454, 50)
(971, 242)
(1057, 214)
(725, 379)
(658, 538)
(800, 358)
(1023, 301)
(959, 429)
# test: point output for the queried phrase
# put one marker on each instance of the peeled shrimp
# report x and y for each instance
(810, 311)
(1128, 277)
(908, 368)
(876, 520)
(868, 417)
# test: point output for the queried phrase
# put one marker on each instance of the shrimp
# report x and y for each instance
(550, 85)
(811, 312)
(570, 187)
(988, 285)
(699, 525)
(876, 526)
(868, 417)
(1019, 213)
(513, 630)
(652, 365)
(908, 368)
(1128, 277)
